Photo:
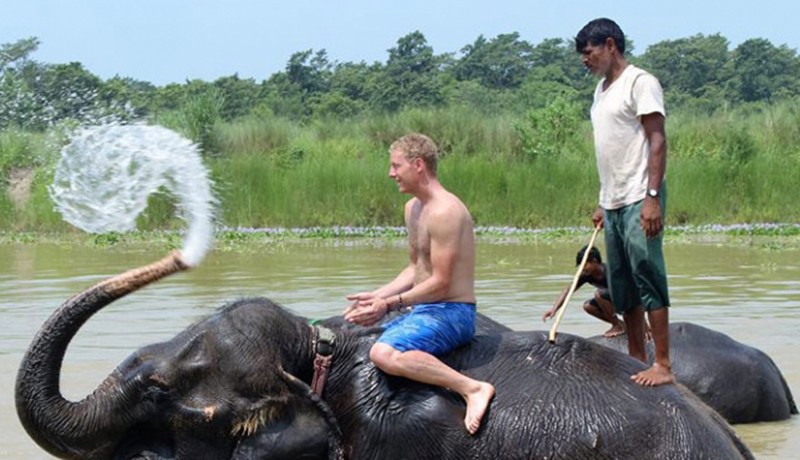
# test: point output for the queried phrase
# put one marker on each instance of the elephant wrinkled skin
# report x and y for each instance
(235, 385)
(742, 383)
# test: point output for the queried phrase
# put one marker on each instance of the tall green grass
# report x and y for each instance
(736, 166)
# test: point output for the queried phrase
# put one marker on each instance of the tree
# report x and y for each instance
(128, 97)
(764, 72)
(309, 71)
(240, 96)
(500, 63)
(410, 77)
(353, 79)
(17, 52)
(694, 67)
(37, 95)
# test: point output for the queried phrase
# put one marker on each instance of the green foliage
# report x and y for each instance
(470, 95)
(722, 169)
(256, 134)
(500, 63)
(501, 75)
(410, 78)
(198, 119)
(237, 96)
(696, 66)
(764, 72)
(127, 98)
(108, 239)
(16, 150)
(200, 116)
(337, 105)
(307, 146)
(552, 132)
(14, 54)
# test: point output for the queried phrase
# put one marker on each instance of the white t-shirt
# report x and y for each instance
(620, 144)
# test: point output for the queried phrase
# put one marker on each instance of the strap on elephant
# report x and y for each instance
(323, 342)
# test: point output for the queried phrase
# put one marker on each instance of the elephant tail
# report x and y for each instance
(789, 397)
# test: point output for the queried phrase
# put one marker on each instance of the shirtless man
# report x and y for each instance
(439, 283)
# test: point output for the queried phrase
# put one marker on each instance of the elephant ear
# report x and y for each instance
(290, 420)
(335, 449)
(260, 414)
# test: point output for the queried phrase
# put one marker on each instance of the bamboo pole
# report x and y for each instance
(572, 287)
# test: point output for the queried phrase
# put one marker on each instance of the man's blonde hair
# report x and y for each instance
(415, 146)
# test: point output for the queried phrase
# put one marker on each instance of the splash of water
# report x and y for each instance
(107, 172)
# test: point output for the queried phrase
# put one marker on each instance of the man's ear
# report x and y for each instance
(611, 44)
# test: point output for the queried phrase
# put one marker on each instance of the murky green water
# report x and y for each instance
(751, 294)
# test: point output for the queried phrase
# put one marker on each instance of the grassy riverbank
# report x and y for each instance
(536, 172)
(771, 237)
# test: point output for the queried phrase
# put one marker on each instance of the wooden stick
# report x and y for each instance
(573, 286)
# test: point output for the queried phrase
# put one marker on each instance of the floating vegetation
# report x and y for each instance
(765, 236)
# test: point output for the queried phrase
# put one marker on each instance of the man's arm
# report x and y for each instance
(369, 307)
(653, 124)
(561, 298)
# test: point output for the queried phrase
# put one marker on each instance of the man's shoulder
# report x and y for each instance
(448, 202)
(638, 76)
(635, 72)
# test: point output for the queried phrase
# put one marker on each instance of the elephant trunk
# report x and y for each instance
(86, 428)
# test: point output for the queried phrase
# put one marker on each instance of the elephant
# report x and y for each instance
(255, 381)
(740, 382)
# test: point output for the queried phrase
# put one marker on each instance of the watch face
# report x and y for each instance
(652, 192)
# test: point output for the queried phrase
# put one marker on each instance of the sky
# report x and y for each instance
(172, 41)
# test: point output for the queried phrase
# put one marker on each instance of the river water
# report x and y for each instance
(748, 291)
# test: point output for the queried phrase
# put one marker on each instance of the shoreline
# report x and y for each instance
(769, 236)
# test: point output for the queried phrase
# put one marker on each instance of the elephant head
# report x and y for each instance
(226, 387)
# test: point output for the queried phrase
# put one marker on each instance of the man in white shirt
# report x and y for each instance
(630, 144)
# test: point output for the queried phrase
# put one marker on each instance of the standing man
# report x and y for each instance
(439, 283)
(630, 144)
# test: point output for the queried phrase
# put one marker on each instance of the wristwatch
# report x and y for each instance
(652, 193)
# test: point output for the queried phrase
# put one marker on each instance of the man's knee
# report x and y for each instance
(384, 357)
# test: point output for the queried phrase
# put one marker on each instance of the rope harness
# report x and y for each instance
(322, 343)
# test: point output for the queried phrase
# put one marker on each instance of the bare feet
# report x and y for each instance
(616, 330)
(654, 376)
(477, 403)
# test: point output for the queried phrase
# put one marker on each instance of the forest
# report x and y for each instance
(510, 116)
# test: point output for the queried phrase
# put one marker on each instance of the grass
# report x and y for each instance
(738, 166)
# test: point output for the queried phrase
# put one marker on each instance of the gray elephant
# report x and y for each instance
(741, 382)
(254, 381)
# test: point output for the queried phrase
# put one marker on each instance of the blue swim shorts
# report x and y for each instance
(435, 328)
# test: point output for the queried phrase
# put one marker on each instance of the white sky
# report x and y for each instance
(164, 41)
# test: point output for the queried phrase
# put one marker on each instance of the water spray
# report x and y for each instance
(106, 174)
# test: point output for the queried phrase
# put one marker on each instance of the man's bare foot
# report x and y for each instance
(616, 330)
(654, 376)
(477, 403)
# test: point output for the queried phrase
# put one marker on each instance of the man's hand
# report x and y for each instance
(366, 309)
(549, 314)
(597, 217)
(651, 217)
